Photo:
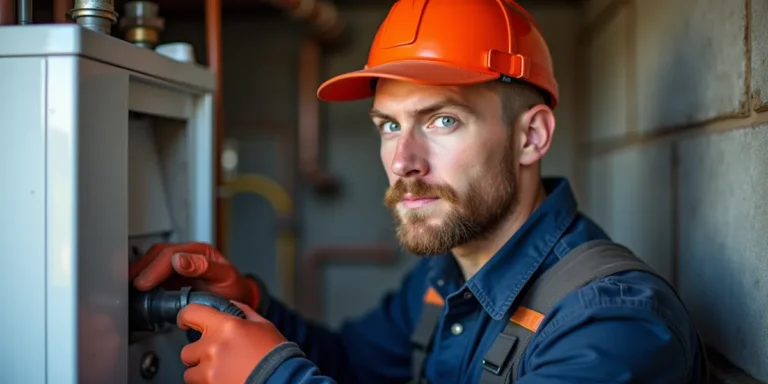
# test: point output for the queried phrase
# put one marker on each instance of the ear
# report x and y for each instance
(537, 128)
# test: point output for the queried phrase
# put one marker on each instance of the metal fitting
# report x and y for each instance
(149, 365)
(96, 15)
(141, 23)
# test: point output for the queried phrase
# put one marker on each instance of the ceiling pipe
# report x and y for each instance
(322, 16)
(7, 12)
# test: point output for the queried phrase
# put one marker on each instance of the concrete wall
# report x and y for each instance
(557, 22)
(674, 154)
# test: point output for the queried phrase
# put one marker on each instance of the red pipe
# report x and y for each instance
(214, 42)
(310, 158)
(7, 12)
(60, 10)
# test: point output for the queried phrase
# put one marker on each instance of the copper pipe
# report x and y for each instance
(61, 9)
(7, 12)
(310, 158)
(311, 273)
(214, 42)
(322, 15)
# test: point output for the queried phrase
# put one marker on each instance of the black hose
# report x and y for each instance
(151, 310)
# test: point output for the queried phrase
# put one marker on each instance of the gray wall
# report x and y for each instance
(675, 154)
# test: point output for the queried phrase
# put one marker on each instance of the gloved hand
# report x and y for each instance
(229, 349)
(198, 265)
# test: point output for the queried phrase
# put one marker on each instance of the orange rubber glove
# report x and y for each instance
(230, 348)
(193, 264)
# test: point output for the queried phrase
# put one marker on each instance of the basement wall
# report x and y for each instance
(674, 149)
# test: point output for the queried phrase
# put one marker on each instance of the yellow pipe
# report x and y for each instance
(281, 202)
(264, 186)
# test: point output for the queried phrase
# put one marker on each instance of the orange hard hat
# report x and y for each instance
(449, 43)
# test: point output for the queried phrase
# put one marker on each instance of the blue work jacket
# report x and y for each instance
(629, 327)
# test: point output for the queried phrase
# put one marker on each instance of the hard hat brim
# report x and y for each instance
(357, 85)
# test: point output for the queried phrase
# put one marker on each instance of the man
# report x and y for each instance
(463, 96)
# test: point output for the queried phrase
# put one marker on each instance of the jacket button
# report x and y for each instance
(467, 295)
(457, 329)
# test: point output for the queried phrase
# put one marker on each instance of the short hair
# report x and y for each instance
(516, 97)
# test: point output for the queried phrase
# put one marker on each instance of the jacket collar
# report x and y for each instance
(497, 284)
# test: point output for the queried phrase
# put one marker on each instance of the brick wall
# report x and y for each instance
(675, 147)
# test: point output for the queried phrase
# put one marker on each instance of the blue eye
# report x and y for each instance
(445, 121)
(390, 126)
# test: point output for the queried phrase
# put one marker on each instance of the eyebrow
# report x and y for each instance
(429, 109)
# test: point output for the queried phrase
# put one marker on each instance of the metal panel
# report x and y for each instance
(184, 156)
(158, 100)
(87, 222)
(22, 220)
(185, 149)
(201, 162)
(71, 39)
(146, 190)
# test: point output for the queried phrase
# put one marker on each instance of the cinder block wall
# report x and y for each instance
(674, 143)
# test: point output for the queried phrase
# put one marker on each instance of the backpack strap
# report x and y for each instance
(589, 262)
(422, 335)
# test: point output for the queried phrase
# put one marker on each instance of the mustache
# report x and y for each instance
(418, 188)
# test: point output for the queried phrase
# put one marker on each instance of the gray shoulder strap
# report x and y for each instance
(589, 262)
(583, 265)
(421, 339)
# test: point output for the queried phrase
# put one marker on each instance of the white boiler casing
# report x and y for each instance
(106, 149)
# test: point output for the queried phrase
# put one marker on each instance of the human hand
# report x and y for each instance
(193, 264)
(230, 348)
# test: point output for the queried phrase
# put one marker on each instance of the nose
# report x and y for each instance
(410, 157)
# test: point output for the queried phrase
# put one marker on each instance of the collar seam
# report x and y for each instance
(498, 313)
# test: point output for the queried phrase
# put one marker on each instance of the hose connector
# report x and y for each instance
(150, 311)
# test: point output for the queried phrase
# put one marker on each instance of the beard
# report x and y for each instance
(473, 215)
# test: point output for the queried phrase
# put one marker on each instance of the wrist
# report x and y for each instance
(258, 295)
(267, 366)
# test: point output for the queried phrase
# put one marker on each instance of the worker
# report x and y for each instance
(463, 94)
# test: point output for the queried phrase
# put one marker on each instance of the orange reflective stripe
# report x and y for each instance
(527, 318)
(432, 297)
